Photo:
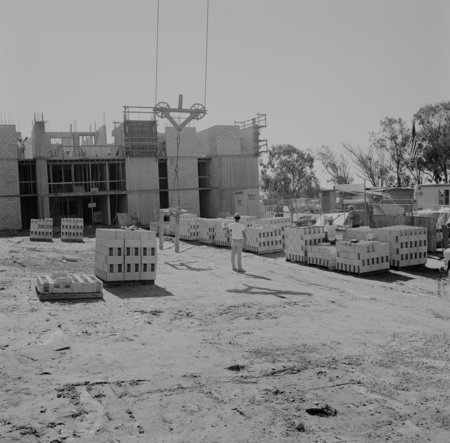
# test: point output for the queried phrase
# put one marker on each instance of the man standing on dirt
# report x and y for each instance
(353, 217)
(238, 239)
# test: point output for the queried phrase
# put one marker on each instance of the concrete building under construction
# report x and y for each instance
(78, 174)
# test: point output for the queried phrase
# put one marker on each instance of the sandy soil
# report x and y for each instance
(149, 363)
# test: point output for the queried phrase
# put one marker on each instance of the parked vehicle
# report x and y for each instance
(306, 205)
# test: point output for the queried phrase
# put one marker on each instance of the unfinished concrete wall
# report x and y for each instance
(101, 136)
(249, 138)
(10, 214)
(118, 135)
(143, 187)
(220, 140)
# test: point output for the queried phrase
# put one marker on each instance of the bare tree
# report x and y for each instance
(371, 165)
(336, 165)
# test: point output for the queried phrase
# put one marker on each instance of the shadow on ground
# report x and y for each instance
(273, 255)
(423, 271)
(387, 277)
(255, 290)
(260, 277)
(140, 291)
(186, 266)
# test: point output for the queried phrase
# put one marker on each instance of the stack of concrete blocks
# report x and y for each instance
(222, 237)
(408, 244)
(362, 233)
(125, 255)
(72, 229)
(362, 257)
(263, 239)
(154, 226)
(189, 228)
(322, 255)
(206, 231)
(299, 240)
(41, 229)
(64, 283)
(284, 222)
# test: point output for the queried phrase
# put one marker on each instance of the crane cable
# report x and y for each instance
(157, 50)
(206, 56)
(177, 168)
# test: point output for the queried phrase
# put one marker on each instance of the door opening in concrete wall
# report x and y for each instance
(163, 184)
(204, 176)
(29, 210)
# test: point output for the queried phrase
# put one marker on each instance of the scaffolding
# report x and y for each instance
(140, 136)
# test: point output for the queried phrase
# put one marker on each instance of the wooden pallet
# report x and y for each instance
(41, 240)
(123, 283)
(72, 241)
(69, 296)
(274, 251)
(325, 268)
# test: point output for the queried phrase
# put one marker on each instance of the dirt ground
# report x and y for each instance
(149, 363)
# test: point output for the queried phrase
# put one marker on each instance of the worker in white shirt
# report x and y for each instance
(238, 239)
(330, 231)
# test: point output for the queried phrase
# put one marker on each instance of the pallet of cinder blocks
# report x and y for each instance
(222, 237)
(246, 220)
(64, 286)
(283, 222)
(124, 255)
(184, 216)
(206, 231)
(363, 233)
(72, 229)
(408, 244)
(362, 257)
(322, 255)
(263, 239)
(41, 229)
(298, 240)
(189, 228)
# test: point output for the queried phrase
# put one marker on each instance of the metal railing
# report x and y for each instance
(68, 152)
(260, 120)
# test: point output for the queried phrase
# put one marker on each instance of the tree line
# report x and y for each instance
(396, 155)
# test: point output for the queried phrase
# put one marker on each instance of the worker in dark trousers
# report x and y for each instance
(353, 218)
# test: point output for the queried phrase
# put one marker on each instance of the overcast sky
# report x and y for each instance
(323, 71)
